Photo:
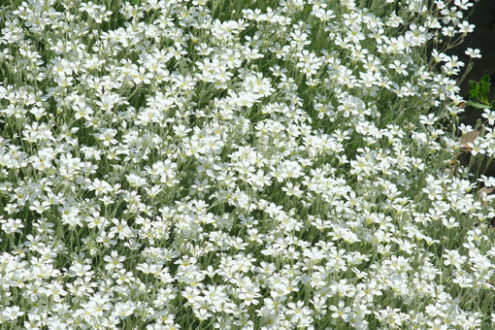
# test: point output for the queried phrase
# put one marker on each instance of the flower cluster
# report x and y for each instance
(238, 165)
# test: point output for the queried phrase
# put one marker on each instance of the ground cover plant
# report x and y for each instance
(239, 165)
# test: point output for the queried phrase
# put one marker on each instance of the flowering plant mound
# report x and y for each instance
(237, 165)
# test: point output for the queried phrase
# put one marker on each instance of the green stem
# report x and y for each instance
(477, 105)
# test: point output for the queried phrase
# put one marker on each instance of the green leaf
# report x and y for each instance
(485, 86)
(476, 105)
(485, 78)
(474, 88)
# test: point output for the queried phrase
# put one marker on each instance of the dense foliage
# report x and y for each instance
(239, 164)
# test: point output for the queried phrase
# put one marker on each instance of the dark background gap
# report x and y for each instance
(483, 38)
(482, 15)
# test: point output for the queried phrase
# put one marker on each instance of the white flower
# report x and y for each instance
(489, 115)
(473, 53)
(11, 226)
